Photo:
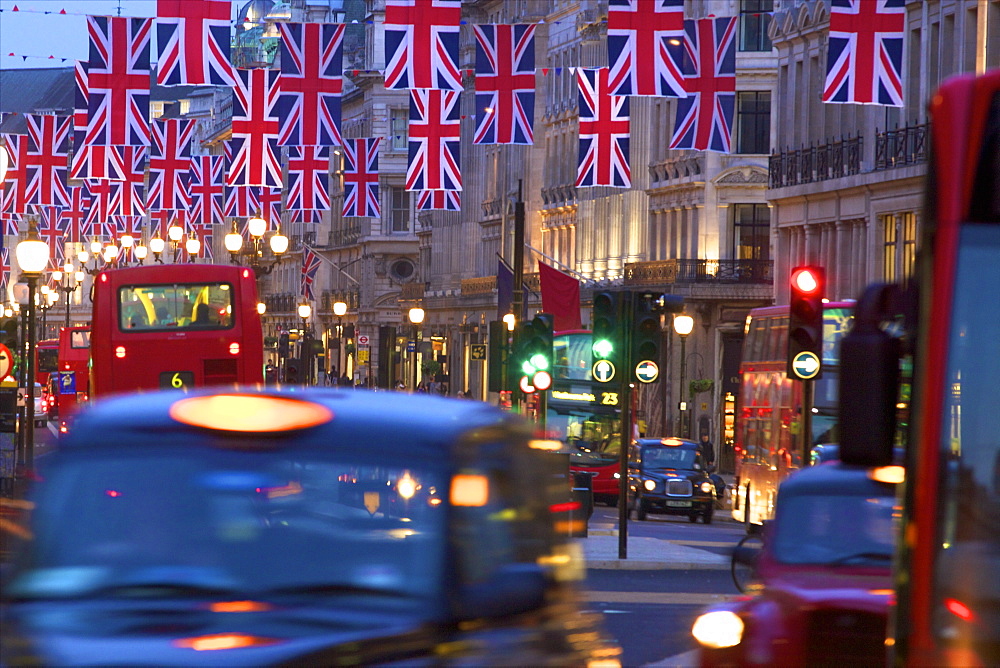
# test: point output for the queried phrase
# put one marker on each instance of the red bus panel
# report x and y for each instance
(175, 326)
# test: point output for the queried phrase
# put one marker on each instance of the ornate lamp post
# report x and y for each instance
(339, 309)
(32, 255)
(157, 245)
(683, 324)
(68, 281)
(305, 312)
(192, 246)
(253, 255)
(416, 316)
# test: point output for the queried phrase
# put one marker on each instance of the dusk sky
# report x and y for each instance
(32, 33)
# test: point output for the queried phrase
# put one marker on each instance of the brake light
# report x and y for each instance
(223, 641)
(234, 348)
(120, 352)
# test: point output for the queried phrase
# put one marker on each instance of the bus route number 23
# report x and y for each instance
(177, 380)
(609, 398)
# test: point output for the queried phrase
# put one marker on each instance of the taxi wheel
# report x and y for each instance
(640, 510)
(707, 516)
(692, 518)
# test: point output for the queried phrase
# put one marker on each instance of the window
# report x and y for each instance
(752, 231)
(399, 218)
(899, 245)
(753, 122)
(399, 129)
(175, 306)
(755, 16)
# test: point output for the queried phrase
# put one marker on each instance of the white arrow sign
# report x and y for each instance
(806, 365)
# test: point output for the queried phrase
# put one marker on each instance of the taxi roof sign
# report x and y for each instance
(249, 413)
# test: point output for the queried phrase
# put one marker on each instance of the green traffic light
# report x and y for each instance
(527, 368)
(603, 348)
(539, 362)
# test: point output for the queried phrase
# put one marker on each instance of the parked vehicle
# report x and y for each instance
(667, 476)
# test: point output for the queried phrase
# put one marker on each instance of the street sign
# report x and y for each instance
(477, 351)
(363, 340)
(411, 346)
(647, 371)
(6, 361)
(805, 365)
(363, 356)
(603, 371)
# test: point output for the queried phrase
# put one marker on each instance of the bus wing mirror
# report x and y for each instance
(869, 382)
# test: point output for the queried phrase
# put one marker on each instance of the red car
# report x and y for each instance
(824, 582)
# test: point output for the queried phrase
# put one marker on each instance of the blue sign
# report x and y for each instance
(67, 382)
(411, 346)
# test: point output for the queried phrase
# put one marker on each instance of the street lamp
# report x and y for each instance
(254, 254)
(339, 309)
(416, 316)
(32, 255)
(156, 244)
(192, 246)
(683, 324)
(305, 312)
(63, 283)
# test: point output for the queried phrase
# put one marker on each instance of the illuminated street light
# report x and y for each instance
(32, 256)
(416, 316)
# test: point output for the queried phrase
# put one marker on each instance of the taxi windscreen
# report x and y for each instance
(657, 457)
(267, 523)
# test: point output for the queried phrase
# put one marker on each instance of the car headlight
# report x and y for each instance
(650, 485)
(718, 629)
(707, 487)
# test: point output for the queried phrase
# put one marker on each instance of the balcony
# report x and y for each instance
(902, 146)
(347, 236)
(665, 272)
(329, 297)
(809, 164)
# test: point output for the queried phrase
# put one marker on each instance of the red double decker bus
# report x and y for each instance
(947, 610)
(71, 386)
(175, 326)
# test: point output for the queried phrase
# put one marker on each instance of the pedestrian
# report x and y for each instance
(707, 451)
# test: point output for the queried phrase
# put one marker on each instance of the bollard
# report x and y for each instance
(583, 495)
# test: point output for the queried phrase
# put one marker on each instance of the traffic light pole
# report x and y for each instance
(625, 396)
(808, 390)
(518, 297)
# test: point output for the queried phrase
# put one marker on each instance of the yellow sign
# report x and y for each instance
(372, 502)
(363, 356)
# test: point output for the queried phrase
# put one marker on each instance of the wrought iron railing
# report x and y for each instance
(903, 146)
(809, 164)
(345, 237)
(349, 297)
(699, 271)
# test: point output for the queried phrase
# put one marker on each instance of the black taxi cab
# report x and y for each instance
(317, 527)
(667, 476)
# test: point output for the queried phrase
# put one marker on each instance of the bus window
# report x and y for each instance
(79, 339)
(777, 339)
(756, 339)
(202, 306)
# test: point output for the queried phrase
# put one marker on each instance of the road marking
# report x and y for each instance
(658, 598)
(704, 543)
(684, 660)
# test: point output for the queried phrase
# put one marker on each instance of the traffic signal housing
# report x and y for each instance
(533, 352)
(607, 327)
(645, 333)
(805, 322)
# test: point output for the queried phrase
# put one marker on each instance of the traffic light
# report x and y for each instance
(283, 344)
(645, 333)
(533, 352)
(607, 329)
(805, 322)
(292, 371)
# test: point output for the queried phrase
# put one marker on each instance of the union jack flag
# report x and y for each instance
(307, 217)
(309, 177)
(269, 201)
(12, 196)
(170, 164)
(644, 40)
(865, 56)
(206, 189)
(421, 44)
(361, 178)
(128, 196)
(10, 223)
(204, 234)
(51, 232)
(310, 84)
(310, 267)
(75, 215)
(705, 116)
(439, 200)
(91, 161)
(604, 132)
(505, 84)
(118, 81)
(242, 201)
(193, 38)
(43, 164)
(4, 269)
(435, 134)
(100, 205)
(254, 144)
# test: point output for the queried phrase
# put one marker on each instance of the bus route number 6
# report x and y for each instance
(609, 398)
(177, 380)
